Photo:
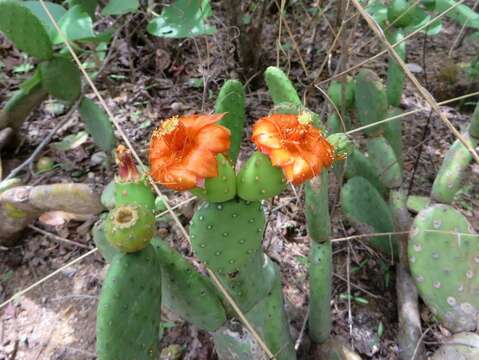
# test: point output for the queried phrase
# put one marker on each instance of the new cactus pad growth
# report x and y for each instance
(444, 260)
(128, 315)
(339, 90)
(130, 227)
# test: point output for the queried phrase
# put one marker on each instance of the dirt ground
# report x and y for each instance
(149, 80)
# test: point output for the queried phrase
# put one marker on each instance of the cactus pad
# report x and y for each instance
(393, 133)
(366, 209)
(130, 227)
(25, 30)
(186, 292)
(280, 87)
(449, 178)
(222, 187)
(258, 179)
(443, 255)
(225, 236)
(359, 165)
(104, 247)
(370, 100)
(385, 162)
(231, 101)
(336, 90)
(395, 77)
(128, 315)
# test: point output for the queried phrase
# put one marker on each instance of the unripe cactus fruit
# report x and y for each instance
(258, 179)
(336, 90)
(222, 187)
(444, 260)
(128, 315)
(343, 146)
(130, 227)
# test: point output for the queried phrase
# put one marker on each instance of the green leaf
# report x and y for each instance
(379, 12)
(37, 9)
(463, 14)
(120, 7)
(61, 78)
(87, 5)
(97, 124)
(183, 19)
(31, 82)
(25, 30)
(71, 141)
(76, 25)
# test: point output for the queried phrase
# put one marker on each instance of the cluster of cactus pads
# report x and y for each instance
(226, 234)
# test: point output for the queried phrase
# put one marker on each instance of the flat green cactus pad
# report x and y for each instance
(226, 235)
(61, 78)
(357, 164)
(280, 88)
(128, 315)
(231, 100)
(366, 209)
(258, 179)
(25, 30)
(104, 247)
(186, 292)
(384, 161)
(444, 260)
(453, 168)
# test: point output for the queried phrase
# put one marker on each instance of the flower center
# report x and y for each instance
(169, 125)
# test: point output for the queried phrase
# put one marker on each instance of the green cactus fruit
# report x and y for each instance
(451, 173)
(393, 133)
(444, 260)
(335, 93)
(358, 164)
(258, 179)
(231, 100)
(343, 146)
(130, 227)
(61, 78)
(134, 192)
(99, 238)
(108, 195)
(370, 100)
(222, 187)
(385, 162)
(25, 30)
(269, 320)
(280, 87)
(474, 128)
(369, 213)
(186, 292)
(128, 315)
(402, 11)
(395, 76)
(227, 235)
(320, 281)
(416, 203)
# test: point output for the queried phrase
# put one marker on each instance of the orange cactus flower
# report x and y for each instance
(292, 143)
(183, 150)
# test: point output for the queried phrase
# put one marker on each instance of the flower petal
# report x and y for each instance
(281, 157)
(176, 178)
(202, 162)
(215, 138)
(195, 123)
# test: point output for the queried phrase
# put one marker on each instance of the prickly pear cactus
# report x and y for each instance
(443, 255)
(186, 292)
(280, 87)
(227, 238)
(133, 192)
(338, 89)
(385, 162)
(449, 178)
(222, 187)
(395, 77)
(128, 316)
(106, 250)
(366, 209)
(258, 179)
(130, 227)
(231, 101)
(360, 165)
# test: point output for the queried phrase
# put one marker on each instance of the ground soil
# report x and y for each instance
(150, 79)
